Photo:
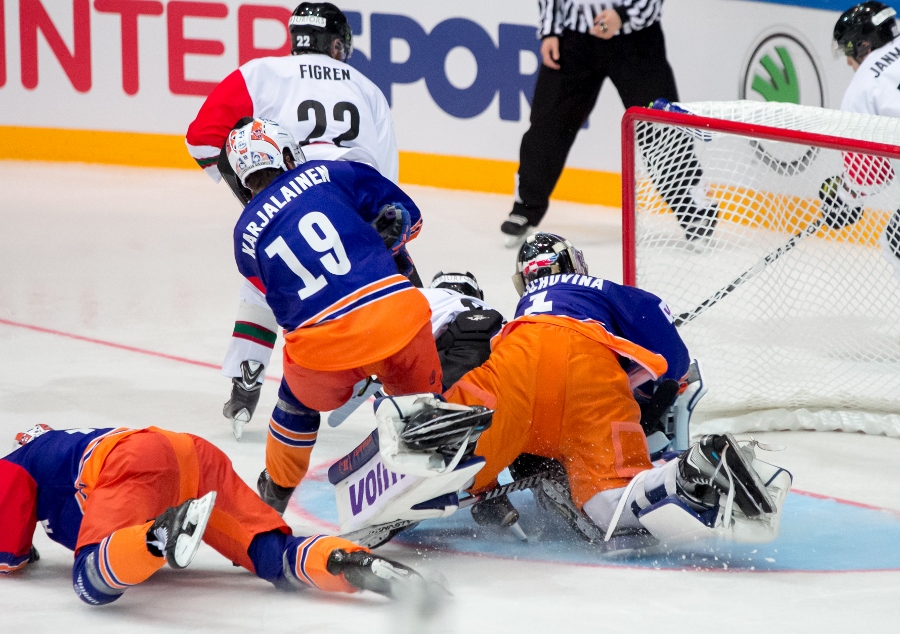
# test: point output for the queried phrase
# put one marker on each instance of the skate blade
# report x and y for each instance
(188, 543)
(512, 242)
(238, 422)
(518, 532)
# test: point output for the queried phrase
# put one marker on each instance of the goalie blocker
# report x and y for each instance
(421, 456)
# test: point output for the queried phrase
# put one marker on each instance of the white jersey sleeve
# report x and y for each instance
(255, 333)
(324, 102)
(446, 305)
(875, 87)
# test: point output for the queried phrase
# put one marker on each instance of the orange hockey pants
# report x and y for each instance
(561, 395)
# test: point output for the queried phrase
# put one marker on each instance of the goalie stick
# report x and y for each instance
(747, 275)
(374, 536)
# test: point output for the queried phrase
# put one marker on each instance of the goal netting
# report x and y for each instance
(796, 323)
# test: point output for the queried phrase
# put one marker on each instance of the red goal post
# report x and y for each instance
(787, 315)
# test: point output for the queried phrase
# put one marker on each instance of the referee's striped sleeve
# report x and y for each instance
(641, 13)
(550, 23)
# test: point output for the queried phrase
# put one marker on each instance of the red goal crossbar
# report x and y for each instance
(749, 130)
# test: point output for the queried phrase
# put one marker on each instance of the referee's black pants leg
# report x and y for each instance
(562, 101)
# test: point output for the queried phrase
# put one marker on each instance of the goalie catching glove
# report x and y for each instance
(836, 212)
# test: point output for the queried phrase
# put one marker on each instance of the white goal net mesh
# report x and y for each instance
(817, 326)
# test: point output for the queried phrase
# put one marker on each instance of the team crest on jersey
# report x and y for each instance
(534, 265)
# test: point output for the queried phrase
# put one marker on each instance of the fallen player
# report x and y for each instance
(93, 491)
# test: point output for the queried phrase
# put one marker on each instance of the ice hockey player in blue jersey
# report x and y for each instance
(560, 379)
(127, 501)
(318, 240)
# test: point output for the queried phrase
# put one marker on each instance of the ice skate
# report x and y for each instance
(272, 494)
(177, 533)
(717, 461)
(368, 571)
(515, 229)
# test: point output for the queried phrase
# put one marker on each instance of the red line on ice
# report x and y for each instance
(118, 346)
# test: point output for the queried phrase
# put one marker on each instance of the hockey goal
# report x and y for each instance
(796, 323)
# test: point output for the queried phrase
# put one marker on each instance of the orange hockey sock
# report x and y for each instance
(308, 560)
(123, 559)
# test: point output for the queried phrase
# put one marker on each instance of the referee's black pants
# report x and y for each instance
(563, 99)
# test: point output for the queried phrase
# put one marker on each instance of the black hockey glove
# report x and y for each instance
(394, 225)
(244, 392)
(835, 212)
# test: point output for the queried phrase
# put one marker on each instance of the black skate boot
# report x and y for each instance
(176, 534)
(700, 224)
(516, 228)
(702, 465)
(272, 494)
(245, 391)
(498, 512)
(368, 571)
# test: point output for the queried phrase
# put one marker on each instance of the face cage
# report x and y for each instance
(576, 259)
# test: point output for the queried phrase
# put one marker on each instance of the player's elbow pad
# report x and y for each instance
(87, 580)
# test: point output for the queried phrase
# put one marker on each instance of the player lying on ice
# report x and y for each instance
(560, 382)
(93, 491)
(318, 240)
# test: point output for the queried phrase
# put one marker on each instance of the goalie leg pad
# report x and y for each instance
(369, 492)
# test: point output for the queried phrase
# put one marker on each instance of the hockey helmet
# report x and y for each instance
(315, 25)
(544, 254)
(463, 283)
(258, 145)
(863, 28)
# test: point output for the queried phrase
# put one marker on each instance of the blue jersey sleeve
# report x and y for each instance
(645, 319)
(52, 461)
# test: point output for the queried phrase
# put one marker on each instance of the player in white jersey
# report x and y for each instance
(333, 111)
(868, 35)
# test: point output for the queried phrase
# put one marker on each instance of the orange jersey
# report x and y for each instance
(370, 333)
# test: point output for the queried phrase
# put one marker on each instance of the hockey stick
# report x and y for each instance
(784, 168)
(749, 274)
(373, 536)
(363, 390)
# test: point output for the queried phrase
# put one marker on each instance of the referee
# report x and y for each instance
(583, 43)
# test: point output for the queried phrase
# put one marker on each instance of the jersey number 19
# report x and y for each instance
(329, 242)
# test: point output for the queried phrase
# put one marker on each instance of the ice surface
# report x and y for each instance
(142, 258)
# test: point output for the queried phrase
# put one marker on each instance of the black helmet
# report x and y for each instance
(544, 254)
(863, 28)
(464, 283)
(315, 25)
